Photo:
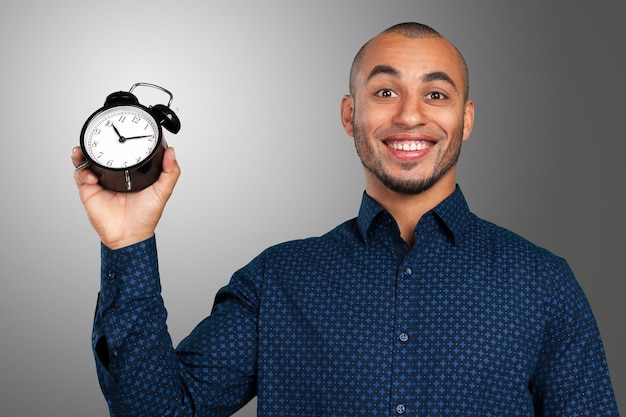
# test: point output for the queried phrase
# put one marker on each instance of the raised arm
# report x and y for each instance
(140, 372)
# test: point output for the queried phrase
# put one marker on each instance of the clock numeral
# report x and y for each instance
(109, 123)
(136, 119)
(94, 144)
(138, 159)
(97, 131)
(124, 164)
(100, 155)
(148, 151)
(146, 128)
(121, 119)
(110, 163)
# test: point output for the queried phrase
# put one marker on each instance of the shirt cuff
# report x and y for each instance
(129, 273)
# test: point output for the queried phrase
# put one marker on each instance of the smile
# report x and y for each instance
(409, 146)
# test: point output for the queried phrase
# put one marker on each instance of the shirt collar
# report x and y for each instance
(453, 212)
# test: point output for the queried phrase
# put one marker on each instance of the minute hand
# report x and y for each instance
(123, 139)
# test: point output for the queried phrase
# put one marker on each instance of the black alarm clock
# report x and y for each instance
(123, 141)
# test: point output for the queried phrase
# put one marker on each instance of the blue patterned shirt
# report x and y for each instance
(472, 320)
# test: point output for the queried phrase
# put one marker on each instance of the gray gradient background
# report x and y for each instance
(257, 86)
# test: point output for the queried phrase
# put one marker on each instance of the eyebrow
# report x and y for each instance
(439, 76)
(383, 69)
(431, 76)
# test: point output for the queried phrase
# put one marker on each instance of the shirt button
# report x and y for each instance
(403, 337)
(408, 272)
(400, 409)
(111, 275)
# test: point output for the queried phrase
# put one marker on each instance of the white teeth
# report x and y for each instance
(413, 146)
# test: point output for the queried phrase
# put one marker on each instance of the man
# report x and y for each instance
(415, 307)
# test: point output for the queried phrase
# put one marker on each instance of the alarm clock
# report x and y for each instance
(123, 140)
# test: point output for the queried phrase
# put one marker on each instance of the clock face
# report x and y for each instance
(121, 137)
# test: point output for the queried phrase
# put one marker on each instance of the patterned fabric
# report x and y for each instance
(471, 321)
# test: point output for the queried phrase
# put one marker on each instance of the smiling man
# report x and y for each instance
(408, 111)
(414, 307)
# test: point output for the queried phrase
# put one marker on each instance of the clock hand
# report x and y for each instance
(117, 132)
(138, 137)
(122, 139)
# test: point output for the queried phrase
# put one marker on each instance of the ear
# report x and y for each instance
(468, 119)
(347, 114)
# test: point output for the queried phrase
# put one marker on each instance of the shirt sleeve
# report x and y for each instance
(140, 372)
(572, 376)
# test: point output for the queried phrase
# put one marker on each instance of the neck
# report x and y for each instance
(408, 209)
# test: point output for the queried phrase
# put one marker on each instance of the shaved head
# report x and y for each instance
(411, 30)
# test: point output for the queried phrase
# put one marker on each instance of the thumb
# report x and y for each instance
(171, 171)
(170, 165)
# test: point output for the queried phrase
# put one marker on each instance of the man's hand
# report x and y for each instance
(122, 219)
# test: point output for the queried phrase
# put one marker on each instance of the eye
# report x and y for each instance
(436, 95)
(386, 93)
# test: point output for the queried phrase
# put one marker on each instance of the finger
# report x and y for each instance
(170, 164)
(171, 171)
(82, 174)
(77, 156)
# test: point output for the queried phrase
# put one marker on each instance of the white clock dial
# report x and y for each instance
(121, 137)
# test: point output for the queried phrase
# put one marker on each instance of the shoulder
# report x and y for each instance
(511, 246)
(344, 235)
(520, 259)
(293, 258)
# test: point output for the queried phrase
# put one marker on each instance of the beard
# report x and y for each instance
(401, 185)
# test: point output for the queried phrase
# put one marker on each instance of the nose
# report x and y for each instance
(410, 112)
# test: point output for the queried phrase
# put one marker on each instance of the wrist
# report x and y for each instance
(115, 244)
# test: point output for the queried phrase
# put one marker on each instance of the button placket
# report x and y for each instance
(404, 275)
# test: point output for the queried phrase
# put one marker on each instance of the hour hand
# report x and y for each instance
(117, 132)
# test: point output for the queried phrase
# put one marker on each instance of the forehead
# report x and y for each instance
(411, 57)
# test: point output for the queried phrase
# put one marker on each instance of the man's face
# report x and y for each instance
(408, 115)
